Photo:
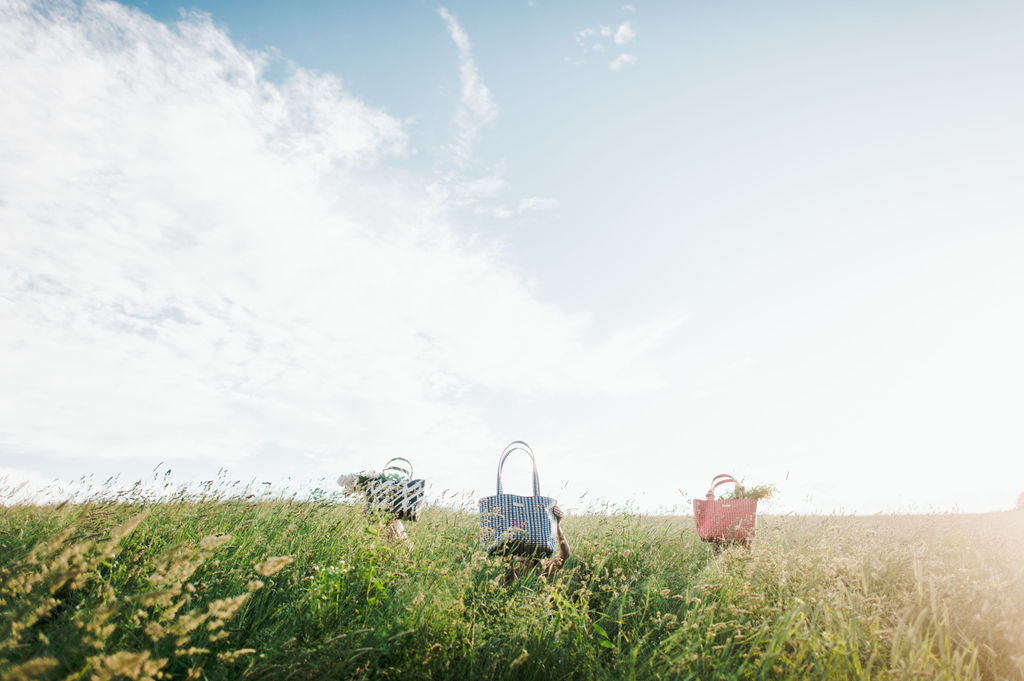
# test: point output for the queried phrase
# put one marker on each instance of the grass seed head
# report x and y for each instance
(232, 655)
(213, 541)
(136, 666)
(31, 670)
(519, 660)
(273, 565)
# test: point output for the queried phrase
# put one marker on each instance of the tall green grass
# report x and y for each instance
(227, 588)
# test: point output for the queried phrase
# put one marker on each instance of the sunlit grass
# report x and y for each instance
(229, 587)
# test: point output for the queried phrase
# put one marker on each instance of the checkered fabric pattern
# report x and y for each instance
(402, 500)
(518, 525)
(725, 519)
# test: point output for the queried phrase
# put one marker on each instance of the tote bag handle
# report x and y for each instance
(723, 478)
(519, 445)
(400, 469)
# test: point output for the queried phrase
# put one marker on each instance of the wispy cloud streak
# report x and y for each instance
(476, 103)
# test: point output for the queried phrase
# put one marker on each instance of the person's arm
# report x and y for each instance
(563, 545)
(395, 531)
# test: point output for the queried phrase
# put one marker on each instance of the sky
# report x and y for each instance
(657, 241)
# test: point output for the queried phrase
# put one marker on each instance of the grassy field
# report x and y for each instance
(233, 588)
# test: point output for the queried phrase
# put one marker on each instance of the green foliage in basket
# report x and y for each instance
(761, 492)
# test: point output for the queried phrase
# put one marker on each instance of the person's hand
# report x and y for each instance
(557, 512)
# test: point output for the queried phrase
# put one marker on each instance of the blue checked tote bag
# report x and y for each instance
(517, 525)
(396, 494)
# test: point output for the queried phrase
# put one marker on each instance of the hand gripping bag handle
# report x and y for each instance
(519, 445)
(389, 467)
(723, 478)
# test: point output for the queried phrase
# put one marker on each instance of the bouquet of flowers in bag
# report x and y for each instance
(731, 519)
(391, 492)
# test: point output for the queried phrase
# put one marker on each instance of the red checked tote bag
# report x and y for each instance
(725, 520)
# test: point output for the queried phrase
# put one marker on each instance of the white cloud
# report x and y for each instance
(527, 204)
(628, 8)
(624, 33)
(455, 189)
(581, 36)
(536, 203)
(476, 104)
(199, 262)
(594, 39)
(622, 60)
(585, 35)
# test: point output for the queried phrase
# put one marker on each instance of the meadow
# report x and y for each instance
(220, 586)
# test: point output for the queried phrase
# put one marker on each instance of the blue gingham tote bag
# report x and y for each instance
(396, 494)
(518, 525)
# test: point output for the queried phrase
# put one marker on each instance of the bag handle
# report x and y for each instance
(521, 446)
(723, 478)
(389, 467)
